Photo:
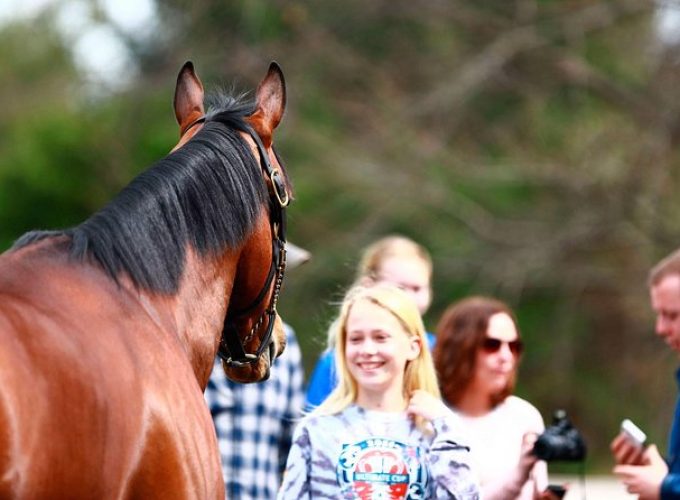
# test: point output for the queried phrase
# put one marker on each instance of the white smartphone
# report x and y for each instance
(633, 433)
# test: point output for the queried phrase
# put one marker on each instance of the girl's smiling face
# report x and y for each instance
(377, 348)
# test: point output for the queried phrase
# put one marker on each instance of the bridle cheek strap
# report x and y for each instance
(231, 348)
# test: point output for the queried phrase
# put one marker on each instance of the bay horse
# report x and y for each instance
(109, 329)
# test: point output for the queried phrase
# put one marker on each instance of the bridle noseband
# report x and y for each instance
(231, 348)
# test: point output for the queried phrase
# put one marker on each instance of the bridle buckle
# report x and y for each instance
(279, 187)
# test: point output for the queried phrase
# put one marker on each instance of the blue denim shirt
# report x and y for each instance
(670, 487)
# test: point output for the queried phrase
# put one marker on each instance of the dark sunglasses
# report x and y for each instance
(491, 345)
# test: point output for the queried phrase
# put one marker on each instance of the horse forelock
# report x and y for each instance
(206, 194)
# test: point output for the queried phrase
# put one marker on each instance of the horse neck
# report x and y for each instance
(195, 314)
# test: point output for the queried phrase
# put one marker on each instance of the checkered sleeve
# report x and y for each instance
(294, 396)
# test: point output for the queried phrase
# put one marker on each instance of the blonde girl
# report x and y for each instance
(394, 260)
(383, 432)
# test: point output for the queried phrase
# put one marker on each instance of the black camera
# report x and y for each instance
(561, 441)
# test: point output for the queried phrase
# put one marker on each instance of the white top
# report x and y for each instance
(496, 446)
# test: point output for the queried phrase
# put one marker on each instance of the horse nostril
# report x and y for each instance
(272, 352)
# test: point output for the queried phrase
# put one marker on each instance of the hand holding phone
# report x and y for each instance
(633, 433)
(628, 447)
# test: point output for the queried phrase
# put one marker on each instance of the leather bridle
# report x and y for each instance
(231, 348)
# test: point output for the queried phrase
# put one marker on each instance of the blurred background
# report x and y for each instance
(531, 145)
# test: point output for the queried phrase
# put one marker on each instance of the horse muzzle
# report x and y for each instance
(259, 369)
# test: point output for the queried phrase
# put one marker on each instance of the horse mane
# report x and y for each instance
(206, 194)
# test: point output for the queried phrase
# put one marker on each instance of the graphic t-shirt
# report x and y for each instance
(381, 468)
(367, 455)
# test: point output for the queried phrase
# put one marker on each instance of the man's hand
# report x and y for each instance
(644, 480)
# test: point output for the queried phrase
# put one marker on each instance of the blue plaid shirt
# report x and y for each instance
(254, 424)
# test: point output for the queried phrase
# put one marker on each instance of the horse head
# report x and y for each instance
(253, 334)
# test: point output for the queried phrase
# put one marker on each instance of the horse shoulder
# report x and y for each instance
(80, 357)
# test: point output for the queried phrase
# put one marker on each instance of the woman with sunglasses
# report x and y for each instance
(476, 356)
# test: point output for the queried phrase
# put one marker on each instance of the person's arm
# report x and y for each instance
(511, 485)
(323, 379)
(527, 422)
(539, 474)
(670, 487)
(296, 484)
(528, 468)
(294, 396)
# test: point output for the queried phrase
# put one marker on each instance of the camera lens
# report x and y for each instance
(560, 441)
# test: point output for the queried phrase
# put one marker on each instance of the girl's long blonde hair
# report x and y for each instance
(419, 373)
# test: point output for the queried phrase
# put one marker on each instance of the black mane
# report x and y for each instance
(206, 194)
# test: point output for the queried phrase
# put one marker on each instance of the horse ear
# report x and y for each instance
(270, 100)
(188, 97)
